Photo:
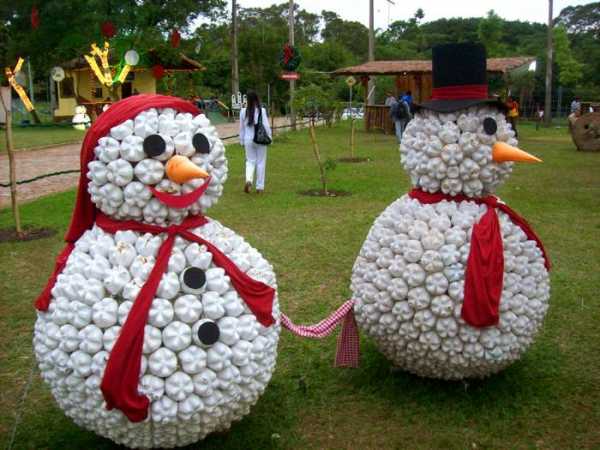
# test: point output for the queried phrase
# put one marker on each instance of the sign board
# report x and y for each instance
(5, 92)
(350, 81)
(290, 76)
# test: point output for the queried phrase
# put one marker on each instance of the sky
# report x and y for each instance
(526, 10)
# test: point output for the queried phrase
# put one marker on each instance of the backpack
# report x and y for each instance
(400, 111)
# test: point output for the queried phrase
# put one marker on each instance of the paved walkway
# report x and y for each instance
(31, 163)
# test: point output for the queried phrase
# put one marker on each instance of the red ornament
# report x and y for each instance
(288, 53)
(35, 17)
(175, 38)
(108, 29)
(158, 71)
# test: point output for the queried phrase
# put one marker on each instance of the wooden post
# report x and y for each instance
(235, 75)
(352, 140)
(313, 139)
(292, 82)
(548, 100)
(12, 166)
(371, 83)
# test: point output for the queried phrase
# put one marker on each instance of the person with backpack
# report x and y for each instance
(400, 113)
(255, 135)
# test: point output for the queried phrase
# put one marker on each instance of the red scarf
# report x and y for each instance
(485, 265)
(121, 376)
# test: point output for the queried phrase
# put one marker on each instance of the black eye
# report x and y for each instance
(201, 143)
(193, 280)
(154, 145)
(489, 125)
(208, 332)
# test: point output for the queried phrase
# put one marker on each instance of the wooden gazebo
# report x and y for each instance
(414, 75)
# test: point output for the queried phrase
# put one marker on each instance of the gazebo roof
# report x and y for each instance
(495, 65)
(186, 63)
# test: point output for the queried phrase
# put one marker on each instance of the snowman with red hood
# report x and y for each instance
(451, 283)
(159, 325)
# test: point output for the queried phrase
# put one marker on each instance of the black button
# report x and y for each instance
(154, 145)
(490, 126)
(194, 278)
(201, 143)
(208, 333)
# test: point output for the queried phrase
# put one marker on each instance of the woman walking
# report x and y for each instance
(256, 154)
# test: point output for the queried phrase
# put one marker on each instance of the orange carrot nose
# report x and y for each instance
(502, 152)
(181, 170)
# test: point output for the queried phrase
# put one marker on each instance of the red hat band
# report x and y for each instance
(460, 92)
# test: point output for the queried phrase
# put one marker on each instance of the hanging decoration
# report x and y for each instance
(11, 75)
(105, 75)
(289, 58)
(175, 38)
(108, 29)
(158, 71)
(35, 17)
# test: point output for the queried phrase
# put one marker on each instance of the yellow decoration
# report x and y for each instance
(105, 75)
(92, 62)
(11, 74)
(124, 73)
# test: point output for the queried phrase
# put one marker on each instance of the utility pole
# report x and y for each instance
(548, 102)
(235, 75)
(371, 84)
(292, 82)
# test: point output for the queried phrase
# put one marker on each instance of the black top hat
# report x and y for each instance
(459, 78)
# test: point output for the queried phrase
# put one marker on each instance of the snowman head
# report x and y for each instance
(460, 141)
(157, 167)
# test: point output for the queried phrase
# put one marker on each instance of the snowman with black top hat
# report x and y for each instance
(450, 282)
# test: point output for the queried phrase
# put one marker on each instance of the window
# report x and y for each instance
(67, 89)
(97, 92)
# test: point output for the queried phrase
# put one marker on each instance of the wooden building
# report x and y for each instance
(415, 75)
(81, 87)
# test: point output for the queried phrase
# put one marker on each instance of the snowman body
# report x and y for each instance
(81, 120)
(206, 359)
(408, 285)
(408, 280)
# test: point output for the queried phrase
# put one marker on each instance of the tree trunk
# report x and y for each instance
(235, 74)
(371, 82)
(12, 169)
(292, 82)
(313, 139)
(548, 100)
(352, 141)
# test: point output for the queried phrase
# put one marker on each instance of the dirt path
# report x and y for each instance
(31, 163)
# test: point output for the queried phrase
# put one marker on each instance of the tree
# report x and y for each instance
(490, 34)
(313, 102)
(581, 18)
(570, 70)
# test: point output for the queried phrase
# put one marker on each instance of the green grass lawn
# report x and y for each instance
(41, 136)
(548, 400)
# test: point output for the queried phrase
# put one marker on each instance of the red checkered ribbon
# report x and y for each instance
(348, 349)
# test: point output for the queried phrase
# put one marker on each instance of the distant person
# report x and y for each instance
(407, 97)
(400, 112)
(539, 117)
(575, 105)
(512, 114)
(390, 99)
(256, 155)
